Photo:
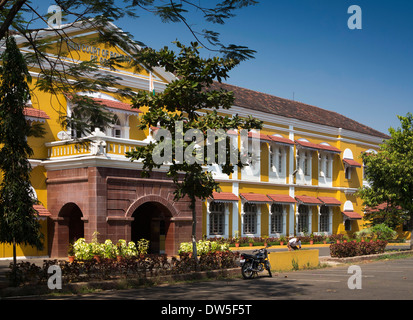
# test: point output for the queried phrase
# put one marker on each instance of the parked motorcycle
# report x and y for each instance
(253, 263)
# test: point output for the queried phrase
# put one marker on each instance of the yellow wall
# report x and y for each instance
(286, 260)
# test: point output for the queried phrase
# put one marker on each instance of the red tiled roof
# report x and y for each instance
(281, 198)
(317, 146)
(255, 197)
(267, 103)
(259, 135)
(352, 163)
(116, 105)
(281, 139)
(308, 200)
(330, 201)
(224, 196)
(43, 212)
(352, 215)
(35, 113)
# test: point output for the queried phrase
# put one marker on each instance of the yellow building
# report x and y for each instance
(307, 177)
(304, 182)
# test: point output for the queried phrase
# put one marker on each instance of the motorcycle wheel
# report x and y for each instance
(268, 267)
(246, 270)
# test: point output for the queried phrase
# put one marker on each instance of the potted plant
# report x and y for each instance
(251, 241)
(236, 238)
(71, 253)
(282, 240)
(311, 239)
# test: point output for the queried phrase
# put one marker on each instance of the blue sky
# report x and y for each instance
(305, 50)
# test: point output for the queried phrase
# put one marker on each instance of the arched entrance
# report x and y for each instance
(151, 222)
(73, 218)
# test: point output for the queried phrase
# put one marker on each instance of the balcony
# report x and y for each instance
(97, 144)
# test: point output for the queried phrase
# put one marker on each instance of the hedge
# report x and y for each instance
(353, 248)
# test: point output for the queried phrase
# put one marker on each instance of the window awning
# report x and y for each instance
(255, 198)
(351, 163)
(281, 198)
(330, 201)
(32, 114)
(43, 212)
(318, 147)
(281, 140)
(224, 197)
(118, 106)
(352, 215)
(308, 200)
(260, 136)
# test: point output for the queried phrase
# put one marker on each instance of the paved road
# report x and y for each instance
(383, 280)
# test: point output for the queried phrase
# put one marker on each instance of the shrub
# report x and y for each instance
(353, 248)
(86, 251)
(203, 247)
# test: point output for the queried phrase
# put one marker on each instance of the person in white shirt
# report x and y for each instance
(294, 244)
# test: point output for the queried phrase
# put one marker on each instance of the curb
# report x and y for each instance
(364, 258)
(121, 283)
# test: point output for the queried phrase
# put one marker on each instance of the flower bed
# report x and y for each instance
(353, 248)
(128, 268)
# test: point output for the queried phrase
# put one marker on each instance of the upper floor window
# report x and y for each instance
(277, 157)
(116, 127)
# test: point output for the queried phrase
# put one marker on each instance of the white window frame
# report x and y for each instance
(210, 206)
(326, 161)
(304, 166)
(277, 163)
(245, 213)
(282, 214)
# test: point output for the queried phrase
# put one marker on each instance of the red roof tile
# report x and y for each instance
(281, 198)
(352, 163)
(317, 146)
(267, 103)
(255, 197)
(43, 212)
(117, 105)
(352, 215)
(35, 113)
(308, 200)
(281, 139)
(224, 196)
(330, 201)
(262, 137)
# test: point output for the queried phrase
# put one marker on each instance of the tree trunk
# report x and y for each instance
(194, 251)
(14, 272)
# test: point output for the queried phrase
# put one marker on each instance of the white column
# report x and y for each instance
(284, 230)
(330, 221)
(235, 209)
(226, 221)
(291, 220)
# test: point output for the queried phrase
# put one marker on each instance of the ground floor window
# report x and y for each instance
(324, 219)
(276, 218)
(303, 219)
(250, 218)
(347, 225)
(216, 218)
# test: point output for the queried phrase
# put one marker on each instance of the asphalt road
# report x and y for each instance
(383, 280)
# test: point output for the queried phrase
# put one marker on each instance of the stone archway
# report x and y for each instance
(72, 215)
(149, 222)
(151, 219)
